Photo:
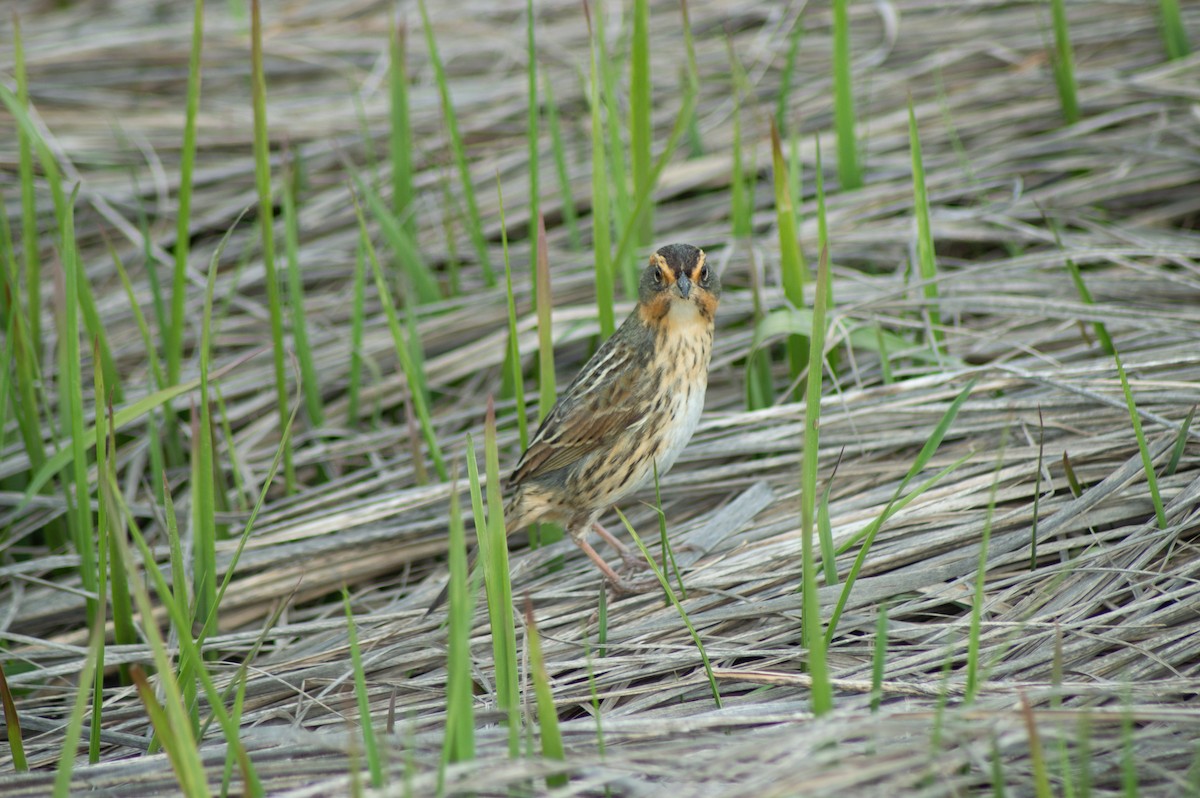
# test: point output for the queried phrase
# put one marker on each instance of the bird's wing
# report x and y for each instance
(603, 402)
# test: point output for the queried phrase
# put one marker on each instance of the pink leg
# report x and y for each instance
(630, 558)
(619, 584)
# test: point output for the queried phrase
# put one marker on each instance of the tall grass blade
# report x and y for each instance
(459, 743)
(403, 247)
(403, 353)
(493, 550)
(552, 744)
(1144, 450)
(791, 261)
(1174, 34)
(570, 217)
(926, 263)
(187, 164)
(545, 307)
(266, 216)
(532, 131)
(666, 586)
(601, 224)
(474, 222)
(308, 370)
(976, 622)
(811, 631)
(31, 256)
(1064, 63)
(12, 725)
(640, 106)
(74, 730)
(400, 143)
(513, 353)
(849, 172)
(360, 695)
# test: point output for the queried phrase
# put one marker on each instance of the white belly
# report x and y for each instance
(687, 410)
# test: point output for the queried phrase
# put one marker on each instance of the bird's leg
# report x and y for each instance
(631, 560)
(619, 583)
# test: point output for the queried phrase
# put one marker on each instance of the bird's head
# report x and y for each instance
(678, 287)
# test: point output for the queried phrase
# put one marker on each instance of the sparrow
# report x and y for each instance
(631, 410)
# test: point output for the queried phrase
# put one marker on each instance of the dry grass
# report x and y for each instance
(1111, 604)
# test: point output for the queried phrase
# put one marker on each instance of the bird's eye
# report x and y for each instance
(704, 274)
(658, 276)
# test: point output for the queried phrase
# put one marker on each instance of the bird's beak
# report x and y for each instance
(684, 285)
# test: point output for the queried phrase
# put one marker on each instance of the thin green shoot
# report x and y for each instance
(787, 74)
(1180, 443)
(513, 350)
(1063, 59)
(493, 552)
(1037, 492)
(825, 535)
(266, 215)
(1175, 38)
(615, 163)
(552, 744)
(822, 221)
(1072, 480)
(360, 694)
(741, 191)
(996, 770)
(70, 389)
(357, 318)
(74, 730)
(547, 392)
(813, 639)
(640, 106)
(400, 142)
(187, 164)
(474, 222)
(926, 259)
(867, 535)
(459, 742)
(601, 222)
(976, 621)
(532, 132)
(570, 216)
(791, 260)
(1144, 450)
(12, 725)
(849, 172)
(308, 370)
(104, 465)
(879, 657)
(1037, 760)
(669, 564)
(403, 353)
(403, 247)
(1085, 295)
(666, 586)
(29, 224)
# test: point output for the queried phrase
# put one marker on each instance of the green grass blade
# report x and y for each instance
(1063, 59)
(532, 132)
(29, 225)
(403, 247)
(552, 744)
(474, 222)
(308, 370)
(570, 216)
(867, 535)
(791, 261)
(640, 106)
(1085, 295)
(601, 223)
(1037, 759)
(459, 743)
(400, 139)
(74, 730)
(811, 632)
(513, 353)
(1144, 450)
(926, 263)
(666, 586)
(976, 622)
(266, 216)
(357, 318)
(545, 306)
(12, 725)
(494, 555)
(1175, 37)
(403, 352)
(786, 76)
(879, 657)
(70, 389)
(104, 463)
(179, 321)
(1180, 443)
(615, 160)
(360, 694)
(849, 172)
(204, 527)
